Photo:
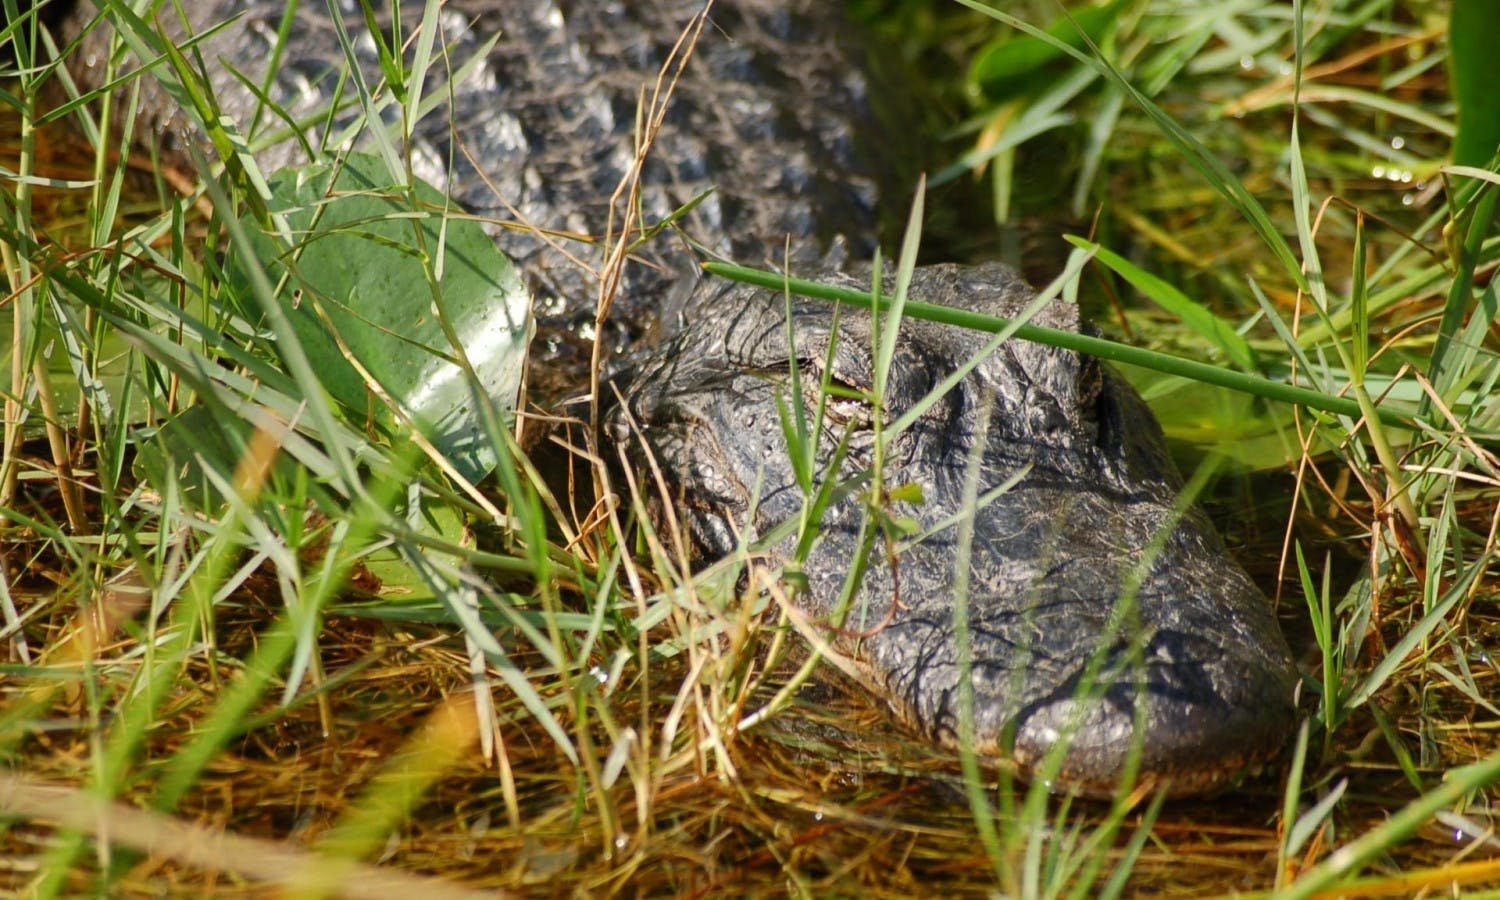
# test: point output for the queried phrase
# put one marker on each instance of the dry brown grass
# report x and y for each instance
(829, 797)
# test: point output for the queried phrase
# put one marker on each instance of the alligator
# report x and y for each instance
(1023, 531)
(1037, 493)
(762, 140)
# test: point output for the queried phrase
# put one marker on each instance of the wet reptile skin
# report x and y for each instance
(774, 114)
(543, 134)
(1192, 665)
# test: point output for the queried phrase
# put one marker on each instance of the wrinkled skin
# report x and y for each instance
(1193, 668)
(776, 114)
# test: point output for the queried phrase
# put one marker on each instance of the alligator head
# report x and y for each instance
(1034, 500)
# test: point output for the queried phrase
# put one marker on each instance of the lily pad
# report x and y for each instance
(369, 267)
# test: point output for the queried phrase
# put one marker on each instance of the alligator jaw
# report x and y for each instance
(1076, 685)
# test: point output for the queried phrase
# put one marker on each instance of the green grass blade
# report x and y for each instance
(1197, 155)
(1193, 314)
(1458, 784)
(1474, 66)
(1112, 351)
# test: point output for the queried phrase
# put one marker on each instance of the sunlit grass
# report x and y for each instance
(1424, 545)
(248, 663)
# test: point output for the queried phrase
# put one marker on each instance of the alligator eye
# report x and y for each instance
(845, 402)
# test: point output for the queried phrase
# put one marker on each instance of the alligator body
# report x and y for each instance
(1100, 616)
(543, 136)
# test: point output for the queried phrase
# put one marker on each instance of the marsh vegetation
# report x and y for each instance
(252, 637)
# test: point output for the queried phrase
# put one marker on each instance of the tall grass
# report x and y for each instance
(1419, 528)
(205, 551)
(199, 453)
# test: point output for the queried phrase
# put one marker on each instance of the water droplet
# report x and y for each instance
(1408, 199)
(1398, 142)
(1378, 172)
(1247, 62)
(621, 841)
(1458, 835)
(599, 674)
(817, 817)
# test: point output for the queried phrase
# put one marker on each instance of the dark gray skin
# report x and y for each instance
(779, 143)
(1193, 672)
(776, 114)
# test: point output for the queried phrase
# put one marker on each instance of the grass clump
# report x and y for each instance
(227, 619)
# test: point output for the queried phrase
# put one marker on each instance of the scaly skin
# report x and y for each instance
(1190, 668)
(543, 132)
(775, 114)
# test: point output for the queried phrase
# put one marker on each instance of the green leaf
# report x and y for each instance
(911, 492)
(400, 584)
(361, 283)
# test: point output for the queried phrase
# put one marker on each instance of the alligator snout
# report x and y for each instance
(1098, 625)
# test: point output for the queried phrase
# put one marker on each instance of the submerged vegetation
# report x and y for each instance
(252, 636)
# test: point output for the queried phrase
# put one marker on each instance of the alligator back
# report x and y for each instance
(772, 127)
